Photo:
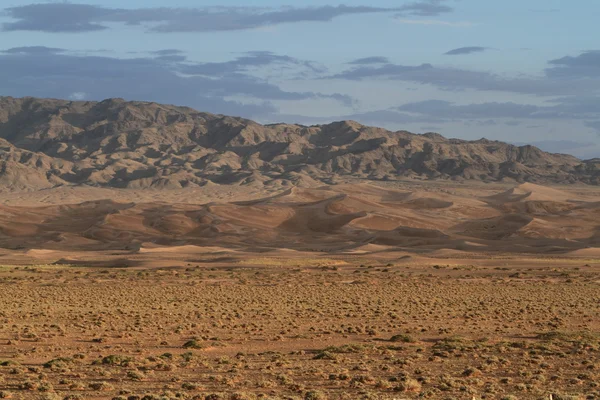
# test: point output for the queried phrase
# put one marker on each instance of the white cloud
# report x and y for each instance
(78, 96)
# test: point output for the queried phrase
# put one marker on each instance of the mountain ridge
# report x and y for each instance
(131, 144)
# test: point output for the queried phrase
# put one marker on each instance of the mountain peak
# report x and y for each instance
(118, 143)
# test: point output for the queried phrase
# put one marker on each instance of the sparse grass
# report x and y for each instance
(101, 386)
(58, 363)
(402, 338)
(290, 262)
(192, 344)
(232, 334)
(346, 348)
(115, 360)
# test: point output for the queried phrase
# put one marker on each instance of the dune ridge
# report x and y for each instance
(327, 220)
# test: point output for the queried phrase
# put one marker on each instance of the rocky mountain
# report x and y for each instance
(115, 143)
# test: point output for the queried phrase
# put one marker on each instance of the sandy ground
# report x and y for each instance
(314, 329)
(355, 291)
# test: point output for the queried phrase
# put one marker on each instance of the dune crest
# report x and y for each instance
(137, 227)
(532, 192)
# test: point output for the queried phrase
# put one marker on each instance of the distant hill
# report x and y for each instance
(115, 143)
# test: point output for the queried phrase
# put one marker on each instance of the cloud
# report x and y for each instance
(585, 65)
(173, 58)
(370, 60)
(48, 74)
(434, 22)
(34, 50)
(55, 17)
(580, 105)
(465, 50)
(169, 55)
(551, 83)
(78, 96)
(443, 77)
(595, 125)
(69, 17)
(390, 71)
(246, 62)
(167, 52)
(565, 109)
(448, 110)
(512, 123)
(425, 8)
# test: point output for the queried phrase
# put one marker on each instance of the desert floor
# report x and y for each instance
(348, 292)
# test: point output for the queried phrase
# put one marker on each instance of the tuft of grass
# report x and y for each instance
(402, 338)
(116, 360)
(315, 395)
(565, 397)
(60, 362)
(567, 337)
(101, 386)
(325, 355)
(409, 385)
(136, 375)
(346, 349)
(192, 344)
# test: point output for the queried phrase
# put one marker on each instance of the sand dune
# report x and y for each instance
(329, 219)
(531, 192)
(592, 252)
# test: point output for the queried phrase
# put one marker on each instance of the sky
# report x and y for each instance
(520, 71)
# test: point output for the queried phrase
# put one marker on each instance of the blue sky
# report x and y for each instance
(517, 71)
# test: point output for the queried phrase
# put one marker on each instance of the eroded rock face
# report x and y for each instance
(115, 143)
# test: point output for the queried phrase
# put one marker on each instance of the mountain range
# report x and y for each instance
(128, 144)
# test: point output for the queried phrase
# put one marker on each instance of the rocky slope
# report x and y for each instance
(45, 143)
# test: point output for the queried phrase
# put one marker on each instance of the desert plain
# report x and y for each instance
(360, 290)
